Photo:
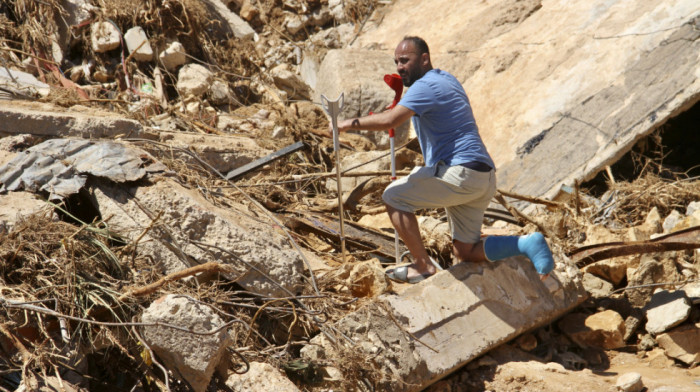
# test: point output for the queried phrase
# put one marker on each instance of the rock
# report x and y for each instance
(526, 342)
(367, 279)
(290, 82)
(248, 11)
(104, 37)
(598, 288)
(295, 22)
(526, 126)
(233, 238)
(692, 291)
(173, 56)
(337, 10)
(462, 313)
(630, 382)
(261, 377)
(666, 310)
(320, 16)
(652, 225)
(195, 357)
(23, 83)
(671, 221)
(138, 45)
(193, 79)
(359, 74)
(232, 23)
(682, 343)
(613, 270)
(693, 206)
(604, 329)
(219, 93)
(653, 268)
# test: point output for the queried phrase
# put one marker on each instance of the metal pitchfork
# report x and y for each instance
(333, 108)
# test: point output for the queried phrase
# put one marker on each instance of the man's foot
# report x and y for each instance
(536, 249)
(400, 274)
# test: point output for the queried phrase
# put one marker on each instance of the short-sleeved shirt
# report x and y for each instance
(444, 121)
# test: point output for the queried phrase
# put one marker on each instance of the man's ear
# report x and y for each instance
(425, 59)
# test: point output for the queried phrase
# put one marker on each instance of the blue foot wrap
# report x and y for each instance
(533, 246)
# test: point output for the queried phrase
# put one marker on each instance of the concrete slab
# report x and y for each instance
(557, 103)
(433, 328)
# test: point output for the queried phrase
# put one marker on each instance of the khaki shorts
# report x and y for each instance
(464, 193)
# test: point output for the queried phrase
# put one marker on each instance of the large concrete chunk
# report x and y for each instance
(559, 89)
(359, 75)
(44, 120)
(458, 315)
(188, 229)
(194, 356)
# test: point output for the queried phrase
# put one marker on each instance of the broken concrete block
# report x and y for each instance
(295, 22)
(105, 36)
(671, 221)
(666, 310)
(173, 56)
(248, 11)
(441, 323)
(138, 45)
(605, 329)
(194, 229)
(261, 377)
(39, 119)
(682, 343)
(193, 356)
(193, 79)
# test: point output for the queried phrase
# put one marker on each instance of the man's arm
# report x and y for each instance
(378, 122)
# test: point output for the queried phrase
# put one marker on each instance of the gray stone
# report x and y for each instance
(597, 287)
(173, 56)
(104, 37)
(194, 356)
(457, 315)
(138, 45)
(666, 310)
(193, 79)
(219, 93)
(192, 230)
(692, 207)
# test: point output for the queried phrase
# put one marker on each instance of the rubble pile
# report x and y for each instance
(146, 262)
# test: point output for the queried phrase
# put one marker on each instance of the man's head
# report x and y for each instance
(412, 58)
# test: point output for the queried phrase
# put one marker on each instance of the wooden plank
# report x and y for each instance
(264, 160)
(357, 237)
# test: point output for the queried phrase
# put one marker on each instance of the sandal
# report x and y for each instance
(400, 274)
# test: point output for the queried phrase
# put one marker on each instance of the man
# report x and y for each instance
(458, 175)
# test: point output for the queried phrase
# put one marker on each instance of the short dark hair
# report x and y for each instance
(418, 43)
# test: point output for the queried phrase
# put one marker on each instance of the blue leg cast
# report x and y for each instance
(532, 245)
